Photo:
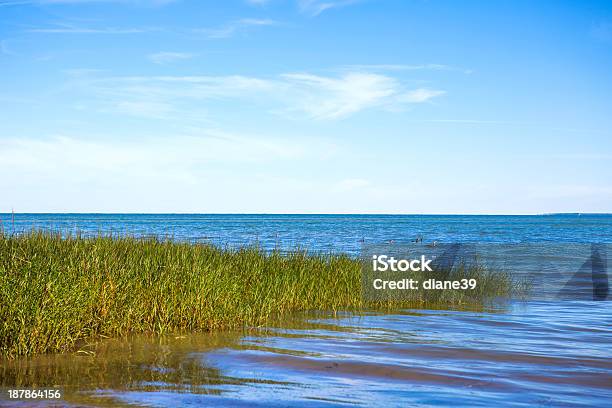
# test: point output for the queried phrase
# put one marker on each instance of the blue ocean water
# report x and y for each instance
(337, 233)
(529, 352)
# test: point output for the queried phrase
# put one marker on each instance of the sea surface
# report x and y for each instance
(523, 352)
(335, 233)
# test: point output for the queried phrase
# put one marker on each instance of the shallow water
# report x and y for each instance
(524, 353)
(520, 354)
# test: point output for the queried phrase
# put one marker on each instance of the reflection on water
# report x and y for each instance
(537, 353)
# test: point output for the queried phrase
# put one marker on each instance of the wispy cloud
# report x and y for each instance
(6, 3)
(258, 2)
(407, 67)
(166, 57)
(59, 2)
(78, 158)
(419, 95)
(403, 67)
(316, 7)
(149, 109)
(293, 95)
(228, 30)
(69, 29)
(103, 154)
(337, 97)
(234, 27)
(472, 121)
(153, 173)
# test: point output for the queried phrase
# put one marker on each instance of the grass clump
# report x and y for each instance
(58, 291)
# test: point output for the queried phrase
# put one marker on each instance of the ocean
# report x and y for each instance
(336, 233)
(522, 353)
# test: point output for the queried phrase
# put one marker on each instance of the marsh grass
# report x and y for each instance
(58, 291)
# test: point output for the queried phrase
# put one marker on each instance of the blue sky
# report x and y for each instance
(305, 106)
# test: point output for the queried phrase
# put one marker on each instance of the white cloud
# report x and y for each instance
(258, 2)
(256, 21)
(166, 57)
(333, 98)
(207, 170)
(181, 158)
(407, 67)
(151, 109)
(208, 145)
(88, 30)
(234, 27)
(402, 67)
(294, 94)
(53, 2)
(419, 95)
(316, 7)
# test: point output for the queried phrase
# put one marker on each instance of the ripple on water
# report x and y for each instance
(538, 353)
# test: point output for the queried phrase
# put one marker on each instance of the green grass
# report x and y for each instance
(57, 292)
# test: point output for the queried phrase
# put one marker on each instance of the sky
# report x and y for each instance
(306, 106)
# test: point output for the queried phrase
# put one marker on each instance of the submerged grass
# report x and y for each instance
(58, 291)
